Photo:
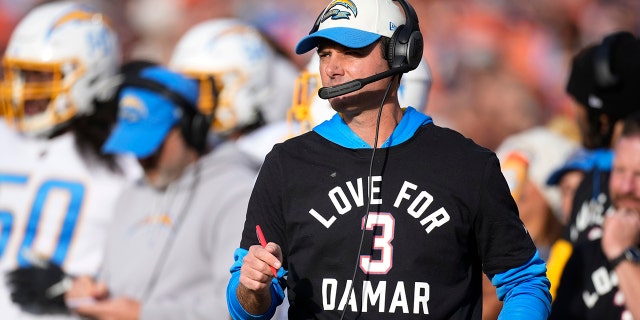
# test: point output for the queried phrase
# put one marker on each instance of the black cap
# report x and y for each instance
(605, 78)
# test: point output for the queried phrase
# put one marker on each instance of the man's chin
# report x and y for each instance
(342, 102)
(156, 180)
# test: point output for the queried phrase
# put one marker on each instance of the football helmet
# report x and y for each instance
(308, 109)
(242, 62)
(415, 86)
(60, 57)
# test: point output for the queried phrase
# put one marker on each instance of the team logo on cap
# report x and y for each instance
(336, 13)
(132, 109)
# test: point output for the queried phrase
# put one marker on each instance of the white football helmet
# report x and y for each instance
(309, 110)
(59, 58)
(242, 63)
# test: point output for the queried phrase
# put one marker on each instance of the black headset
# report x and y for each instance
(194, 124)
(406, 45)
(604, 75)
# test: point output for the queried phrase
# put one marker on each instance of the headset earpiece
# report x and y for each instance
(195, 128)
(406, 45)
(194, 125)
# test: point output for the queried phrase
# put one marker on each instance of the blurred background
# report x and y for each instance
(499, 66)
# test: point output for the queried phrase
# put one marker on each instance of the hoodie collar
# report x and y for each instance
(338, 132)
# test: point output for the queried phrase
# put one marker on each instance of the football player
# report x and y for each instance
(56, 188)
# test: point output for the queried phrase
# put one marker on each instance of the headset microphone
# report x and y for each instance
(354, 85)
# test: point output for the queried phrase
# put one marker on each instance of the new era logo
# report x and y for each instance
(392, 26)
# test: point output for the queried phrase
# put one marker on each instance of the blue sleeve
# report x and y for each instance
(524, 291)
(234, 306)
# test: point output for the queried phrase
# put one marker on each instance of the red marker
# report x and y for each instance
(263, 243)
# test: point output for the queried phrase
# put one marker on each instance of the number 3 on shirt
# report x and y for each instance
(75, 193)
(381, 242)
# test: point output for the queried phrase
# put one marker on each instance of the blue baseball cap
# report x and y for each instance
(145, 117)
(354, 23)
(582, 160)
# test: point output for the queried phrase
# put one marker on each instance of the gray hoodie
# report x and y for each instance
(170, 249)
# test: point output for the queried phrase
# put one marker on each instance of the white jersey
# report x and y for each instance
(54, 205)
(259, 142)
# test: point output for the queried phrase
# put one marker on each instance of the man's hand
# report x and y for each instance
(255, 277)
(621, 230)
(85, 291)
(111, 309)
(91, 299)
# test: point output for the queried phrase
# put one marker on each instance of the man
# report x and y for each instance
(308, 110)
(378, 213)
(166, 246)
(568, 177)
(602, 277)
(603, 83)
(57, 190)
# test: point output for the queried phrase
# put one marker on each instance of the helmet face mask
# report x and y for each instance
(60, 57)
(37, 94)
(233, 81)
(305, 93)
(227, 84)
